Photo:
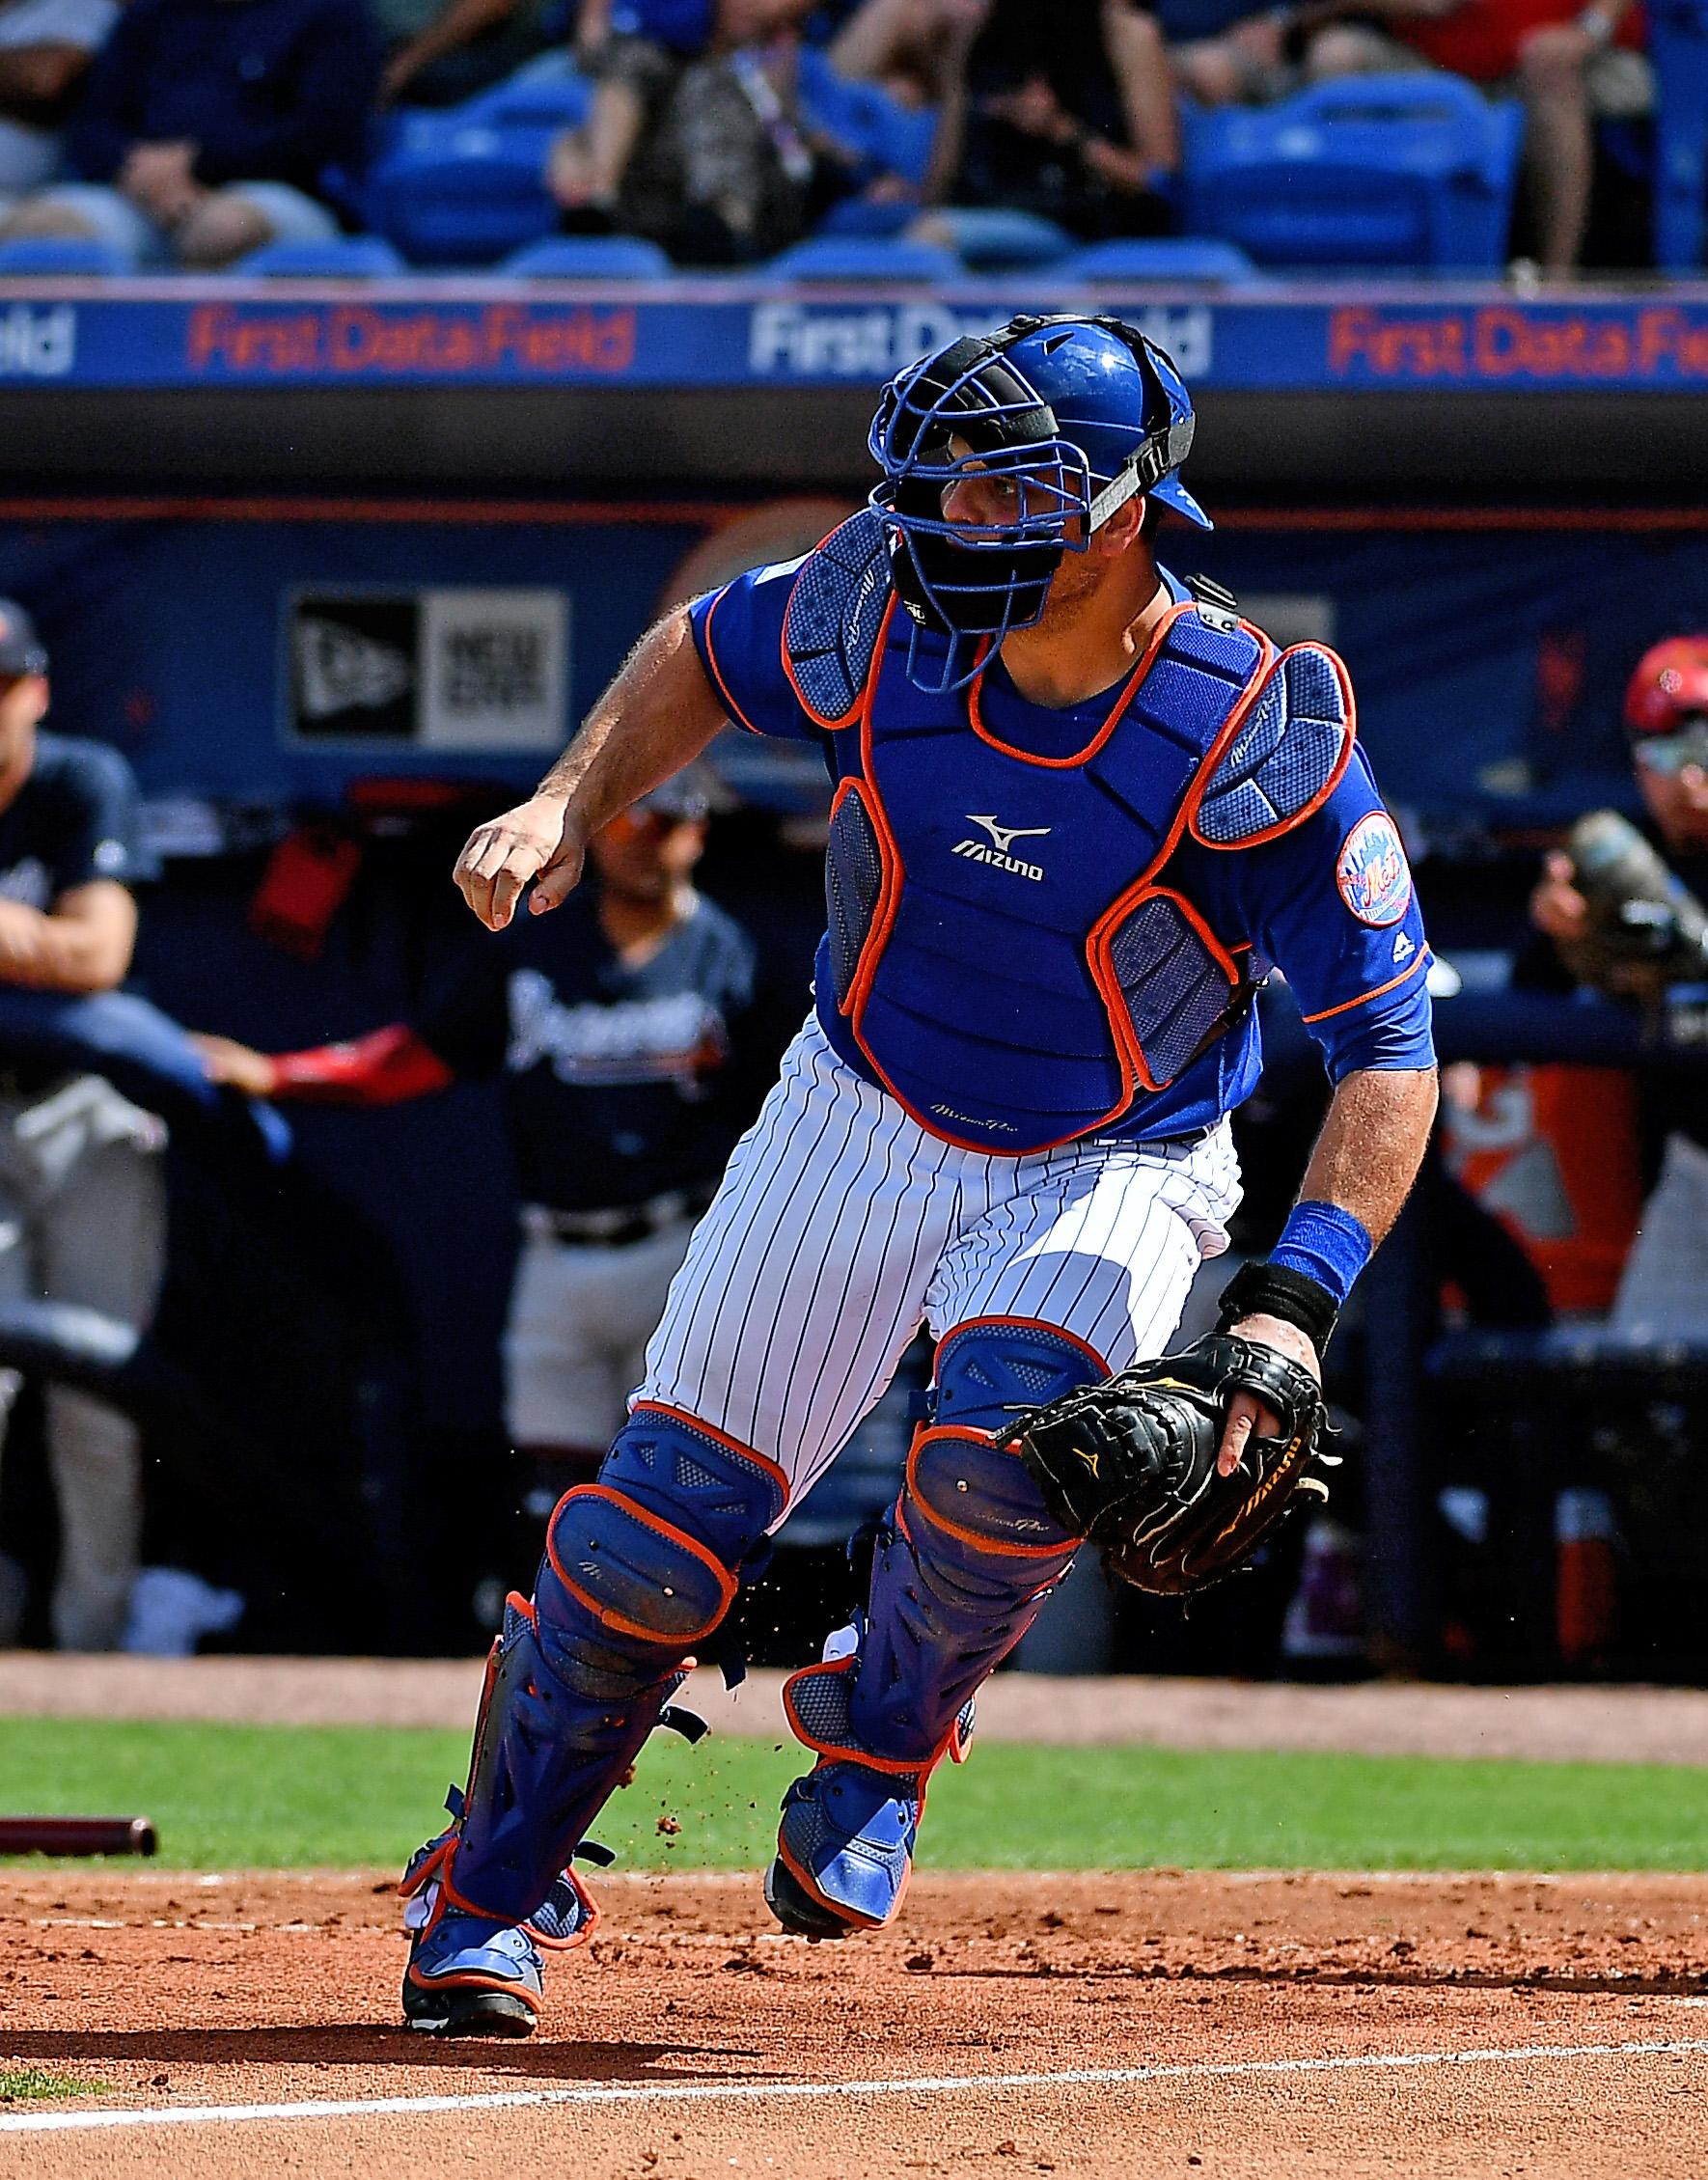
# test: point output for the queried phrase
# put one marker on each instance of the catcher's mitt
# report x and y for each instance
(1131, 1463)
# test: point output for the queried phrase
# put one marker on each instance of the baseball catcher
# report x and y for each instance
(1082, 808)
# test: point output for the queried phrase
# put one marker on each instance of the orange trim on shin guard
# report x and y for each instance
(779, 1477)
(1020, 1324)
(981, 1539)
(725, 1581)
(837, 1751)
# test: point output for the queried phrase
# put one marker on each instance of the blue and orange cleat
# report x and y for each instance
(471, 1977)
(844, 1848)
(470, 1974)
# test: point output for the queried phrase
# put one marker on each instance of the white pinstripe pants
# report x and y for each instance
(841, 1225)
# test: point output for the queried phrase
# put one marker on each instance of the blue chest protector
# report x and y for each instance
(1008, 953)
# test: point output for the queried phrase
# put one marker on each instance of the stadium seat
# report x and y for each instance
(1160, 258)
(1379, 170)
(879, 135)
(856, 257)
(64, 256)
(589, 256)
(986, 238)
(455, 192)
(993, 239)
(1678, 47)
(549, 93)
(347, 257)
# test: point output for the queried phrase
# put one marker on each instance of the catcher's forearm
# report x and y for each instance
(1361, 1172)
(1372, 1144)
(656, 716)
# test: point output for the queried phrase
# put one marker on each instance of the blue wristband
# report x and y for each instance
(1327, 1244)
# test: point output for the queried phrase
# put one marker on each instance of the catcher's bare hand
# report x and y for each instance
(537, 844)
(1247, 1413)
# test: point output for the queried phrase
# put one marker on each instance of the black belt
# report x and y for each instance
(621, 1226)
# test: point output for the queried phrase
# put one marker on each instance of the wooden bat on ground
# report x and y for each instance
(76, 1836)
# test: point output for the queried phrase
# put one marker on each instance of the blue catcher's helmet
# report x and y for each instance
(1079, 413)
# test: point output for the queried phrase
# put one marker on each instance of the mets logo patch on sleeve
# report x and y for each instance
(1371, 870)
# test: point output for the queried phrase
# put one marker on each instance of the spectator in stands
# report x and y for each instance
(211, 126)
(1226, 55)
(1571, 64)
(623, 1037)
(82, 1206)
(1666, 723)
(1066, 112)
(693, 140)
(439, 53)
(45, 48)
(915, 50)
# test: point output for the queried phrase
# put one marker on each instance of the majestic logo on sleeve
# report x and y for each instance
(1002, 840)
(1371, 870)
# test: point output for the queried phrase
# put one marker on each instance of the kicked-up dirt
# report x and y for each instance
(1148, 2023)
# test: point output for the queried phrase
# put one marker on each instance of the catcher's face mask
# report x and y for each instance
(999, 455)
(959, 416)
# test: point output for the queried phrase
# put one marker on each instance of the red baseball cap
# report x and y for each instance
(1667, 704)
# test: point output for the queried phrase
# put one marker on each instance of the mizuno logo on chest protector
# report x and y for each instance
(1003, 839)
(1008, 1014)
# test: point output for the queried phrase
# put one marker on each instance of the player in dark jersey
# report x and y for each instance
(616, 1035)
(82, 1206)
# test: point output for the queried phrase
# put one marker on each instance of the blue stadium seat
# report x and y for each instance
(991, 239)
(986, 238)
(856, 257)
(64, 256)
(347, 257)
(1678, 47)
(1378, 170)
(589, 256)
(1160, 258)
(879, 135)
(550, 93)
(456, 192)
(867, 215)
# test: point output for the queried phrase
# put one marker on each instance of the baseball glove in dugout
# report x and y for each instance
(1130, 1463)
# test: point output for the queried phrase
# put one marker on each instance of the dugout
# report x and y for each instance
(342, 565)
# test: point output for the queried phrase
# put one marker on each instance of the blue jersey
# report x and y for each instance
(1328, 903)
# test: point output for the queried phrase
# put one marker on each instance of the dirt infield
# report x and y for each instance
(1603, 1724)
(1160, 2023)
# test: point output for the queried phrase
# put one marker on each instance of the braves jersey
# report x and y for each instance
(73, 822)
(1046, 925)
(618, 1079)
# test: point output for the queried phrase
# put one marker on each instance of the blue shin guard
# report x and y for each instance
(958, 1573)
(640, 1568)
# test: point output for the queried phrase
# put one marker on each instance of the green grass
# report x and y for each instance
(20, 2084)
(227, 1797)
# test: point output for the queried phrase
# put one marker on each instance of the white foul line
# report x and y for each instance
(757, 2092)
